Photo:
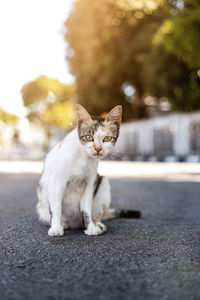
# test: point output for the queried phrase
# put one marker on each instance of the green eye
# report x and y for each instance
(107, 139)
(89, 138)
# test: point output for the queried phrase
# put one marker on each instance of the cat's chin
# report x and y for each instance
(97, 156)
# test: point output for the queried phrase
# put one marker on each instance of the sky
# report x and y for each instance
(32, 44)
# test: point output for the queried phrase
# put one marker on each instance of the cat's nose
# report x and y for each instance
(98, 149)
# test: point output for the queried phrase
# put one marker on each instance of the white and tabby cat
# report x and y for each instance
(71, 193)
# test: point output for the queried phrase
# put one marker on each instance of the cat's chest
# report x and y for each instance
(82, 169)
(76, 184)
(79, 172)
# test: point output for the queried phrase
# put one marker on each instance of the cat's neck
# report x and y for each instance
(85, 156)
(83, 163)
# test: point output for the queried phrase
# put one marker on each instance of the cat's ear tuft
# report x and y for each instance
(115, 115)
(82, 114)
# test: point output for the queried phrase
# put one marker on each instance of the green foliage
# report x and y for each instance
(49, 102)
(60, 114)
(179, 39)
(8, 118)
(180, 33)
(163, 74)
(187, 98)
(39, 89)
(151, 45)
(108, 42)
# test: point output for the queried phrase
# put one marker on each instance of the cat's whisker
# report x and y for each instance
(123, 152)
(110, 156)
(114, 155)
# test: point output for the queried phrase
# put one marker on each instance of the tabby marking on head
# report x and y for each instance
(98, 135)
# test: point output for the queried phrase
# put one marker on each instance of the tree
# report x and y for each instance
(108, 43)
(8, 118)
(180, 32)
(49, 102)
(179, 39)
(152, 47)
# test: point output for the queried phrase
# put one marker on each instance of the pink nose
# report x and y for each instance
(98, 149)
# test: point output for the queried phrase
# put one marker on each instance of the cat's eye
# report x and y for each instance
(107, 139)
(89, 138)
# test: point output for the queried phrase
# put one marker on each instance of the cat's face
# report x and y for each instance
(98, 135)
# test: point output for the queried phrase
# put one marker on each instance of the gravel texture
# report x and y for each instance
(155, 257)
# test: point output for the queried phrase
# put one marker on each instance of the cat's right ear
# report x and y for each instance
(82, 114)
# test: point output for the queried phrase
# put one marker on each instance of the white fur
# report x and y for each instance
(98, 138)
(67, 185)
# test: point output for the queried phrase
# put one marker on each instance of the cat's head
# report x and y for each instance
(98, 135)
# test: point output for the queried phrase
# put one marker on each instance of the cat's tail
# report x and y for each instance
(130, 214)
(43, 205)
(121, 213)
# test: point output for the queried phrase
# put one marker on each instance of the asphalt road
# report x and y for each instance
(156, 257)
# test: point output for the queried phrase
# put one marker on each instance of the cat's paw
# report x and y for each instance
(65, 225)
(56, 231)
(101, 226)
(93, 230)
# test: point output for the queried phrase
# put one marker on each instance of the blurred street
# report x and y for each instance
(140, 56)
(155, 257)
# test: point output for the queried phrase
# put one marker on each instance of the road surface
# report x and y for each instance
(155, 257)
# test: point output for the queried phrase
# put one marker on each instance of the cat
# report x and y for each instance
(70, 193)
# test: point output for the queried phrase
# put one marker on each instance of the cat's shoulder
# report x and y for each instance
(64, 149)
(70, 139)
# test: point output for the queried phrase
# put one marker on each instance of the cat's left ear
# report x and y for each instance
(82, 114)
(115, 115)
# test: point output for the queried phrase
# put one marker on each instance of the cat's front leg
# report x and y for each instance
(91, 228)
(55, 200)
(86, 208)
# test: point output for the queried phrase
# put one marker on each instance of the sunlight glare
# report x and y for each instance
(32, 44)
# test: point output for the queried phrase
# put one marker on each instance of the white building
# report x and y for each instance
(173, 137)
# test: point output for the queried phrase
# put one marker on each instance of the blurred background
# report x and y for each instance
(142, 54)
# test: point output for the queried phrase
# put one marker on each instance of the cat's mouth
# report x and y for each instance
(98, 155)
